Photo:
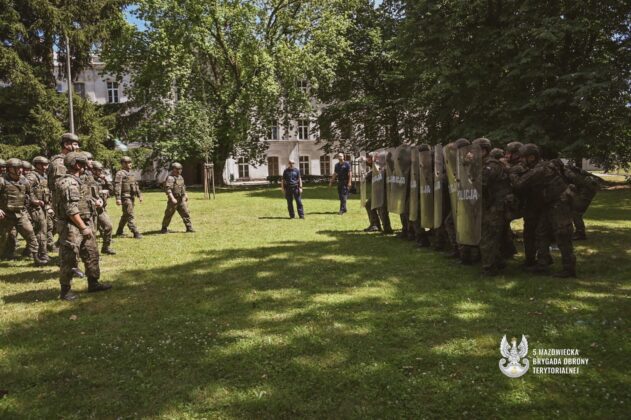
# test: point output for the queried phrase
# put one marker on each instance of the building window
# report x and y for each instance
(304, 165)
(272, 166)
(112, 92)
(303, 129)
(272, 133)
(79, 89)
(244, 168)
(325, 165)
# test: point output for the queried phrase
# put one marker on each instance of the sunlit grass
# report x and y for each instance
(259, 316)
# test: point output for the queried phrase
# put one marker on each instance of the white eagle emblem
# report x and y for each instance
(513, 368)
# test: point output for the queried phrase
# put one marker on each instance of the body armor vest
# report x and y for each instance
(39, 187)
(129, 187)
(178, 187)
(13, 198)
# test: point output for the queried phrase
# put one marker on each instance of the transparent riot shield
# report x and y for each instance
(469, 213)
(450, 162)
(378, 181)
(363, 192)
(414, 199)
(438, 185)
(427, 189)
(397, 181)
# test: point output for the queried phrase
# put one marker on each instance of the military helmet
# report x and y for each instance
(529, 149)
(484, 143)
(27, 165)
(88, 155)
(461, 142)
(14, 163)
(74, 157)
(176, 165)
(3, 163)
(66, 137)
(496, 153)
(424, 147)
(125, 159)
(40, 159)
(513, 147)
(97, 165)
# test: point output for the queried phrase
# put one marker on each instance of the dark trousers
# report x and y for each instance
(579, 224)
(342, 192)
(373, 215)
(291, 194)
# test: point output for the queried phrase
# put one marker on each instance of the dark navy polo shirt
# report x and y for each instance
(291, 177)
(342, 172)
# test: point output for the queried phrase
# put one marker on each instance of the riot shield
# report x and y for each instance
(427, 189)
(469, 213)
(363, 192)
(438, 185)
(449, 160)
(378, 190)
(398, 177)
(415, 173)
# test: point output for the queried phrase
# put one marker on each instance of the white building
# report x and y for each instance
(298, 141)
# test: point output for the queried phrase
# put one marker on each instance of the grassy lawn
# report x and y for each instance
(259, 316)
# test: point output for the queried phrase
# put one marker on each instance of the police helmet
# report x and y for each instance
(483, 143)
(14, 163)
(69, 137)
(73, 158)
(40, 159)
(529, 149)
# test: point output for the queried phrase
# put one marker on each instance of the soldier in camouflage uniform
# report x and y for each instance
(104, 222)
(585, 188)
(39, 211)
(3, 166)
(177, 199)
(555, 221)
(126, 190)
(15, 194)
(77, 239)
(495, 189)
(56, 169)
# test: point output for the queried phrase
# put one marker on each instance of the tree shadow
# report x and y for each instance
(349, 325)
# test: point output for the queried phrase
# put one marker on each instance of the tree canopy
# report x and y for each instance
(33, 114)
(240, 64)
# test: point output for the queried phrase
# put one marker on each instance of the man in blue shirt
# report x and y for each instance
(343, 175)
(291, 184)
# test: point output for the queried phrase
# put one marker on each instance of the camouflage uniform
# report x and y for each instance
(495, 188)
(39, 214)
(174, 185)
(126, 190)
(585, 188)
(14, 196)
(104, 223)
(555, 221)
(373, 215)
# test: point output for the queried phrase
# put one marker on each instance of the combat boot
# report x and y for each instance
(579, 236)
(164, 230)
(137, 235)
(66, 294)
(372, 229)
(107, 250)
(388, 231)
(26, 252)
(95, 286)
(191, 230)
(38, 262)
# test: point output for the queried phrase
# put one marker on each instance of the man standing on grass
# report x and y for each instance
(177, 199)
(344, 177)
(291, 184)
(126, 190)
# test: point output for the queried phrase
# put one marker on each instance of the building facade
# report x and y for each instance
(297, 141)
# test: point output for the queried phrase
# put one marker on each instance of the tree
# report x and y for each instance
(554, 73)
(33, 114)
(240, 62)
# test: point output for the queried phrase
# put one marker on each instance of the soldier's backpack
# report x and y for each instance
(586, 186)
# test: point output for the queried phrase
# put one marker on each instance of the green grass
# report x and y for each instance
(259, 316)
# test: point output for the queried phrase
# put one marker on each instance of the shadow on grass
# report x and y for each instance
(351, 325)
